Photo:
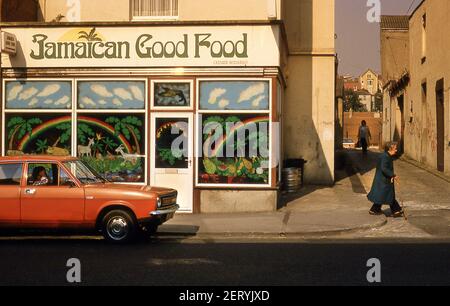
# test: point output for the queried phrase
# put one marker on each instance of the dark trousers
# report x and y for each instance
(395, 207)
(364, 144)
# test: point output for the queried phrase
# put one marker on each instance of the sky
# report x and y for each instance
(358, 40)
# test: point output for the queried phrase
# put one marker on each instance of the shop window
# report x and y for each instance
(39, 133)
(142, 9)
(111, 95)
(113, 144)
(174, 94)
(38, 95)
(234, 117)
(234, 95)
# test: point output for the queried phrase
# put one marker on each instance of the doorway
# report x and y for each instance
(440, 126)
(399, 134)
(172, 155)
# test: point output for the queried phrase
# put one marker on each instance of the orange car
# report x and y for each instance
(63, 192)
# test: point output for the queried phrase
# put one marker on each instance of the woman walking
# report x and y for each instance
(383, 187)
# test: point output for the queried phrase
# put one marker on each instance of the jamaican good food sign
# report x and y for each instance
(146, 46)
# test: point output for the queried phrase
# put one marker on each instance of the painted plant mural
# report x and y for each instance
(227, 160)
(113, 145)
(171, 143)
(38, 134)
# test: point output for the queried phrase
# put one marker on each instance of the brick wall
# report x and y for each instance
(352, 121)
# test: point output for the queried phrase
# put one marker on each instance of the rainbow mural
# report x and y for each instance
(68, 119)
(222, 142)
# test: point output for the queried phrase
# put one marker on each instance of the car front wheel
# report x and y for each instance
(118, 226)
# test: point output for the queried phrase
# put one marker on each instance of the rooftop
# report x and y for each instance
(394, 22)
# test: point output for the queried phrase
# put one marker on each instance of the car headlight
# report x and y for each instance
(158, 202)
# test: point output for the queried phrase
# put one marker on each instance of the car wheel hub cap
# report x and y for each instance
(118, 228)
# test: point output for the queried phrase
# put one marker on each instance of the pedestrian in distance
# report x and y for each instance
(383, 187)
(364, 136)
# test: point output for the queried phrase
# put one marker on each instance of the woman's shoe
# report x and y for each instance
(398, 214)
(375, 212)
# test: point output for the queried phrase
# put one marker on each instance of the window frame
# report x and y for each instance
(199, 134)
(152, 18)
(75, 111)
(5, 112)
(38, 162)
(153, 83)
(143, 112)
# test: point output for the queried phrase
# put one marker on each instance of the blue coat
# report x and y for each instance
(383, 190)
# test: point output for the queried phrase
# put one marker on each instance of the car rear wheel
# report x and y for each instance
(118, 226)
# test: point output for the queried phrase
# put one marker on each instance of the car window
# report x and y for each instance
(43, 174)
(64, 178)
(10, 174)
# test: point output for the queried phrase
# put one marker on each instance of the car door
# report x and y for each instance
(10, 179)
(54, 201)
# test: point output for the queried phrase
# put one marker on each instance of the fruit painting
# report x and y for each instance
(235, 150)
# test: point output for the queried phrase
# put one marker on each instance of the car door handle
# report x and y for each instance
(30, 191)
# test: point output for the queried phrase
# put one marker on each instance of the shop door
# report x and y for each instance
(172, 144)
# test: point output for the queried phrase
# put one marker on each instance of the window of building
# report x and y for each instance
(235, 121)
(111, 128)
(145, 9)
(10, 174)
(38, 117)
(105, 125)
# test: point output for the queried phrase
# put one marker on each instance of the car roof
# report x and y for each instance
(36, 158)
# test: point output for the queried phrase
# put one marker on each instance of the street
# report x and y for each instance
(411, 252)
(228, 263)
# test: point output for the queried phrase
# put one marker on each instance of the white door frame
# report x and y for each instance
(189, 172)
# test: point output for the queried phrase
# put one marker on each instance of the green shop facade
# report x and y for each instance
(160, 105)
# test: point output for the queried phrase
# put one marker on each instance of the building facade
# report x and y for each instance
(207, 97)
(369, 81)
(422, 91)
(395, 72)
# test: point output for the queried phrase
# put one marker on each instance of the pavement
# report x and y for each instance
(340, 211)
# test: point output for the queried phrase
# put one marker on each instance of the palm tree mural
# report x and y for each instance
(66, 133)
(129, 127)
(18, 127)
(42, 146)
(84, 131)
(91, 36)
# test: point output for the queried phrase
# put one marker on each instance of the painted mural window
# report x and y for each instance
(235, 149)
(38, 95)
(172, 145)
(38, 134)
(111, 95)
(172, 94)
(113, 145)
(234, 95)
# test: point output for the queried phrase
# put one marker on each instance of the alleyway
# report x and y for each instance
(425, 196)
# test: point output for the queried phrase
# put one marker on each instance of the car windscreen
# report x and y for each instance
(84, 173)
